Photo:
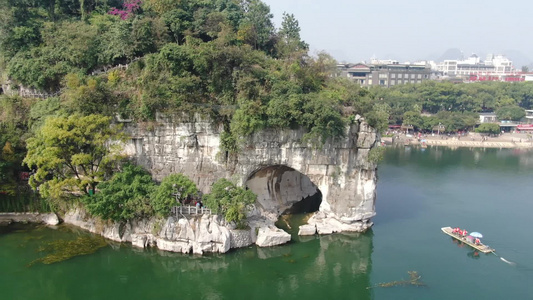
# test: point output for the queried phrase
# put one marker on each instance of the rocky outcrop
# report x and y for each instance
(194, 234)
(328, 224)
(240, 238)
(271, 236)
(309, 229)
(46, 218)
(275, 164)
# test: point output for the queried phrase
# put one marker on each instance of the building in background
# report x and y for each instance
(493, 68)
(385, 73)
(390, 72)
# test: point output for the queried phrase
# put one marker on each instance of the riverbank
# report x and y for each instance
(48, 219)
(471, 140)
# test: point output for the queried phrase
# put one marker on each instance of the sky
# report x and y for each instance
(354, 30)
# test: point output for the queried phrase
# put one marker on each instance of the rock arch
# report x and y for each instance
(280, 189)
(340, 169)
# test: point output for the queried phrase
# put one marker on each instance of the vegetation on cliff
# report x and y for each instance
(174, 189)
(222, 58)
(72, 154)
(230, 200)
(93, 61)
(125, 196)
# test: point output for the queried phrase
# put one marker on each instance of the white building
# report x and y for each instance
(473, 65)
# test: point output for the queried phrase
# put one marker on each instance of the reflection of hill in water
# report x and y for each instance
(334, 266)
(341, 263)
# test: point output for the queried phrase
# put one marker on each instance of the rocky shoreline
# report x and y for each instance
(472, 140)
(196, 234)
(46, 218)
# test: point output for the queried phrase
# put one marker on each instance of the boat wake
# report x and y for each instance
(505, 260)
(508, 262)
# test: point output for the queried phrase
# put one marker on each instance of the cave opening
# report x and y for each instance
(283, 190)
(307, 205)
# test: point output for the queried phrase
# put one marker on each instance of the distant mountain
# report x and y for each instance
(452, 53)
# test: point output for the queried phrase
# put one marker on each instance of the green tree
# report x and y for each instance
(514, 113)
(88, 96)
(379, 117)
(7, 178)
(257, 29)
(289, 41)
(229, 200)
(491, 128)
(43, 109)
(429, 122)
(13, 132)
(163, 198)
(413, 118)
(72, 154)
(124, 197)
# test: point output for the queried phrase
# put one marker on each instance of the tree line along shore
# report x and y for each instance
(470, 140)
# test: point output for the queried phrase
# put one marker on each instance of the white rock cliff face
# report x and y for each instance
(274, 164)
(269, 159)
(196, 234)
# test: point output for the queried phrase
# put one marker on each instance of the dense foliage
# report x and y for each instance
(72, 154)
(221, 58)
(14, 126)
(489, 128)
(172, 190)
(229, 200)
(125, 196)
(512, 112)
(455, 106)
(13, 120)
(132, 193)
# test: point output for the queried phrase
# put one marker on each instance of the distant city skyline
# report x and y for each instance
(354, 31)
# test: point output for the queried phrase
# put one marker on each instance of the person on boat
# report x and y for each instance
(478, 242)
(470, 238)
(465, 233)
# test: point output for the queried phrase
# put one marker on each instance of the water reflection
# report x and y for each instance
(333, 266)
(472, 253)
(441, 158)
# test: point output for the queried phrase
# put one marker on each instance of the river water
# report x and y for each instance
(419, 191)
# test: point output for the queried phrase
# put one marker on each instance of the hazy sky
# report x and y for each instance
(355, 30)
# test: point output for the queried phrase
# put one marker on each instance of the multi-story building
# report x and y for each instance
(385, 74)
(390, 72)
(494, 68)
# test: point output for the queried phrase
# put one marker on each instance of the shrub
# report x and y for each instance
(229, 200)
(163, 198)
(124, 197)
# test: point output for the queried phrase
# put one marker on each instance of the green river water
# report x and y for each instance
(419, 191)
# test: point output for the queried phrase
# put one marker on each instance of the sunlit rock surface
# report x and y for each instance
(275, 164)
(45, 218)
(271, 236)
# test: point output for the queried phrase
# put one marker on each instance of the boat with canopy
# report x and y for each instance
(470, 242)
